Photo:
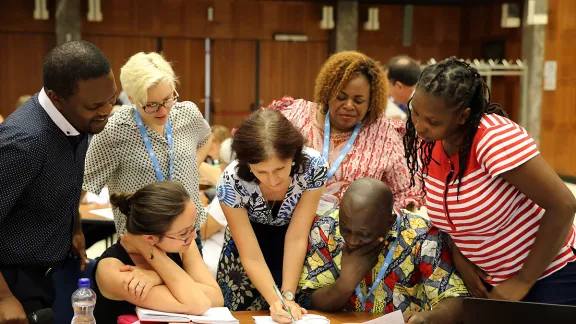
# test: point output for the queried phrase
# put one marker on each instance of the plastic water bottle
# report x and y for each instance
(83, 303)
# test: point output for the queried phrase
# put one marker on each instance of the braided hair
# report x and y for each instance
(461, 87)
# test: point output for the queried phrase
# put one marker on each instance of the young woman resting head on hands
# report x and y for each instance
(156, 263)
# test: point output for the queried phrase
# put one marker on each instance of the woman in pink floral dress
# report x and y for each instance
(350, 98)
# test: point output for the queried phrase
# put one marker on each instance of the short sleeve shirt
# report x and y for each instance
(117, 157)
(237, 193)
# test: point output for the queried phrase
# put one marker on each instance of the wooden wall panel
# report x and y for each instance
(292, 17)
(21, 65)
(18, 16)
(436, 33)
(233, 19)
(119, 49)
(481, 23)
(233, 80)
(385, 43)
(558, 131)
(289, 69)
(188, 62)
(124, 18)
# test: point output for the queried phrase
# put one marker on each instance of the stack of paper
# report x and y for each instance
(216, 315)
(306, 319)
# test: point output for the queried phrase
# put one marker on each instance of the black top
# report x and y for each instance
(107, 311)
(271, 239)
(41, 173)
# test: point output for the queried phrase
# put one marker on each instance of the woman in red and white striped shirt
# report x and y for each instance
(508, 213)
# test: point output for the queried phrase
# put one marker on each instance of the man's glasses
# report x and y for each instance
(168, 103)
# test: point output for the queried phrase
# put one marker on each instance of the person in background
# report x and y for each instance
(157, 138)
(42, 150)
(214, 228)
(219, 134)
(269, 196)
(403, 73)
(508, 213)
(370, 257)
(156, 263)
(347, 123)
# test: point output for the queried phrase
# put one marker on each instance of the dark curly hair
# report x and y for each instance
(264, 134)
(342, 67)
(461, 87)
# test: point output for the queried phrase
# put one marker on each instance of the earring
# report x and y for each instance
(151, 256)
(293, 163)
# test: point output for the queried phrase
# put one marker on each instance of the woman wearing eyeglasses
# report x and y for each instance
(155, 264)
(156, 138)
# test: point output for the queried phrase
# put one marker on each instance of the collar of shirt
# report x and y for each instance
(401, 106)
(55, 115)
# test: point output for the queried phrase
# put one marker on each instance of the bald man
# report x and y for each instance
(403, 73)
(347, 266)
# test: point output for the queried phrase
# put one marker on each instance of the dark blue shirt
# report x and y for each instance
(41, 173)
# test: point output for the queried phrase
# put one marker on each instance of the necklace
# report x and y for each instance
(270, 209)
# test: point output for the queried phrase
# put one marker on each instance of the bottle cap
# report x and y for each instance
(84, 283)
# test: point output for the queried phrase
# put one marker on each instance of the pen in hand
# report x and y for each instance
(286, 308)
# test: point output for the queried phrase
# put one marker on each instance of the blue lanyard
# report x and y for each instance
(346, 149)
(151, 154)
(383, 269)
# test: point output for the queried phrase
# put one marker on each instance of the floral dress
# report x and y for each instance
(269, 225)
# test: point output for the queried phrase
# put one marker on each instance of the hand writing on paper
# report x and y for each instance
(280, 315)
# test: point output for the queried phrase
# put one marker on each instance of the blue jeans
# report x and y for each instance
(558, 288)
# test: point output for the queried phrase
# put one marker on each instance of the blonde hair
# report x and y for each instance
(143, 71)
(220, 133)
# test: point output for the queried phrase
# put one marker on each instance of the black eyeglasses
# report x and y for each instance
(168, 103)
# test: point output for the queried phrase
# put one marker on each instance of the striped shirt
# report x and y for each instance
(492, 222)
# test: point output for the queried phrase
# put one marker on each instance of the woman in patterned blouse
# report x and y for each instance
(156, 138)
(269, 196)
(351, 90)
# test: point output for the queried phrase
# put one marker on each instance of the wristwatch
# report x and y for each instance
(288, 295)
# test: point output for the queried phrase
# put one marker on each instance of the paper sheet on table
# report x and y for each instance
(392, 318)
(104, 212)
(305, 317)
(101, 199)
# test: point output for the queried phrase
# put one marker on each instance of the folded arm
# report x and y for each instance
(110, 282)
(195, 267)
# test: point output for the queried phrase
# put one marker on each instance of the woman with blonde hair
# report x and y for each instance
(150, 140)
(346, 122)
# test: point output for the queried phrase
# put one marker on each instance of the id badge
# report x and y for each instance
(326, 204)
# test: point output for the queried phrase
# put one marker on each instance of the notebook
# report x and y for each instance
(306, 319)
(216, 315)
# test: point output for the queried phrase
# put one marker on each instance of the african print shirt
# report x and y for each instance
(420, 275)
